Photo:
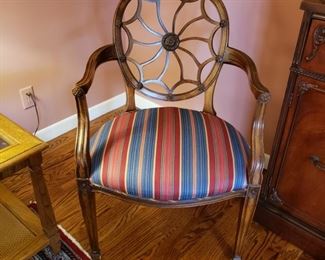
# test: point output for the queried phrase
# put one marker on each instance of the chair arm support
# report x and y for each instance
(255, 176)
(240, 59)
(82, 155)
(101, 55)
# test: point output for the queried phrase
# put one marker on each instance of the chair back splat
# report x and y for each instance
(155, 48)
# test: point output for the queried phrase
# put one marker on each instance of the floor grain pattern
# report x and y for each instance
(128, 231)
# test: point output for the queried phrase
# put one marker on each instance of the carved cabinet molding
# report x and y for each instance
(292, 199)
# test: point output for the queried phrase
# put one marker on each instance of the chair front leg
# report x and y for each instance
(255, 174)
(246, 216)
(88, 208)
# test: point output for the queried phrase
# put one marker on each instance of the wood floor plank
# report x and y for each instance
(63, 146)
(220, 234)
(129, 231)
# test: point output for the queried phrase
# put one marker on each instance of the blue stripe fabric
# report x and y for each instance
(171, 170)
(97, 155)
(238, 156)
(148, 157)
(134, 154)
(201, 155)
(187, 154)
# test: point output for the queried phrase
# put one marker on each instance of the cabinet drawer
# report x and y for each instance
(301, 182)
(314, 53)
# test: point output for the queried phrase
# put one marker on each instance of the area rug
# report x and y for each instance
(70, 248)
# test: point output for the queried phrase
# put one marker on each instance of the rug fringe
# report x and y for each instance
(72, 239)
(69, 240)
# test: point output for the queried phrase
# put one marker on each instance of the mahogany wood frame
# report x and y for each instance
(83, 161)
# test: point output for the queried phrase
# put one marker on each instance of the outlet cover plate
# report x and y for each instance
(26, 101)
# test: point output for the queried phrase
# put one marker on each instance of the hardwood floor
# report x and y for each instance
(128, 231)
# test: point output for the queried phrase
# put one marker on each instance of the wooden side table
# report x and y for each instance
(19, 149)
(22, 235)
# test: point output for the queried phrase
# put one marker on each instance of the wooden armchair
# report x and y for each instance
(169, 157)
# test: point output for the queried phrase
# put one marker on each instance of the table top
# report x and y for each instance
(16, 144)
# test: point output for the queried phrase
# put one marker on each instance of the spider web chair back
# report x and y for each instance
(171, 50)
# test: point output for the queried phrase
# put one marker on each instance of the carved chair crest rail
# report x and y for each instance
(168, 157)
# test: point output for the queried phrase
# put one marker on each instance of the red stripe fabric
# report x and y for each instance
(106, 158)
(229, 154)
(127, 137)
(122, 164)
(176, 155)
(212, 156)
(159, 151)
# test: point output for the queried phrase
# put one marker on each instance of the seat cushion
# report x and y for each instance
(168, 154)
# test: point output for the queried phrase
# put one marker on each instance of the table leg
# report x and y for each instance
(44, 205)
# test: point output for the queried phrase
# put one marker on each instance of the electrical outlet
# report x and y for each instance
(26, 100)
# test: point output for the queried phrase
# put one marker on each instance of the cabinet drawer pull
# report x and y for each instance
(317, 163)
(304, 87)
(318, 40)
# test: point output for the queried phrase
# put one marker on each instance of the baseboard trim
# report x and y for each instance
(69, 123)
(266, 160)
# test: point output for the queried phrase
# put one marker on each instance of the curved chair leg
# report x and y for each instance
(88, 208)
(246, 217)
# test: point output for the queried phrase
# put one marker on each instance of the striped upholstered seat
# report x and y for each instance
(168, 154)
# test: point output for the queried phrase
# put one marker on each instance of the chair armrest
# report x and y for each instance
(101, 55)
(240, 59)
(262, 94)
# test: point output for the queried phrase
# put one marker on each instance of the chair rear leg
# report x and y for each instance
(88, 208)
(247, 213)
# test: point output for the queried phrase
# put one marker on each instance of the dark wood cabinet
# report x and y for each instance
(292, 202)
